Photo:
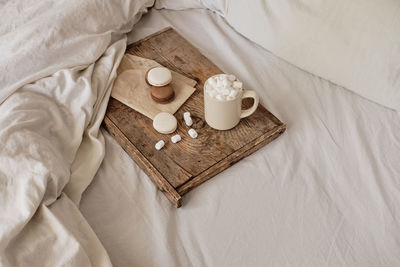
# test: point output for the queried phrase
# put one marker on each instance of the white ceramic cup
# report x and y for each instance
(226, 114)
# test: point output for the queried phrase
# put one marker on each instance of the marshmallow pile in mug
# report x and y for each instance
(224, 87)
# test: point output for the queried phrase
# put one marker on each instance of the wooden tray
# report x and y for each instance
(178, 168)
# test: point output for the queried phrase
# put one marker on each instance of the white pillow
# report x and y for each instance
(355, 44)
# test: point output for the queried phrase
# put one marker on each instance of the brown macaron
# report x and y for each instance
(162, 94)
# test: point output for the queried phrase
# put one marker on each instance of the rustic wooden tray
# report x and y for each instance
(178, 168)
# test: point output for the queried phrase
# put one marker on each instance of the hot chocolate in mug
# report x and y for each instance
(223, 109)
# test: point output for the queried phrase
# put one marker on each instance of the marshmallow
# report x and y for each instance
(192, 133)
(231, 77)
(226, 92)
(223, 87)
(219, 89)
(176, 138)
(233, 94)
(160, 144)
(237, 85)
(188, 121)
(226, 83)
(187, 118)
(213, 81)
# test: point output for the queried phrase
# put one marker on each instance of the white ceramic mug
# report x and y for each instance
(224, 115)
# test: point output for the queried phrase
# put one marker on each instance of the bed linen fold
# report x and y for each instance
(58, 60)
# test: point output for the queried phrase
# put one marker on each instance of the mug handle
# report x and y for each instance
(249, 94)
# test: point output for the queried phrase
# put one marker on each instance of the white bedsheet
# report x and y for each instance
(325, 193)
(58, 60)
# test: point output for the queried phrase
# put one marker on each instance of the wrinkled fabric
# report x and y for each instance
(325, 193)
(58, 60)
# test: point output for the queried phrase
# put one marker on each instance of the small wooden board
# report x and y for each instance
(178, 168)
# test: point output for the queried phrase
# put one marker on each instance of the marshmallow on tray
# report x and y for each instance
(160, 144)
(192, 132)
(176, 138)
(188, 120)
(223, 87)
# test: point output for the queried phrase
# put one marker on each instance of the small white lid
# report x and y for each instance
(165, 123)
(159, 76)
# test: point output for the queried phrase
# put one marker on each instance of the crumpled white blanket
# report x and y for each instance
(58, 60)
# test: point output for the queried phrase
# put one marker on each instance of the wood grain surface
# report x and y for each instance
(178, 168)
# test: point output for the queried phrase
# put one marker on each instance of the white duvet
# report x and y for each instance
(58, 60)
